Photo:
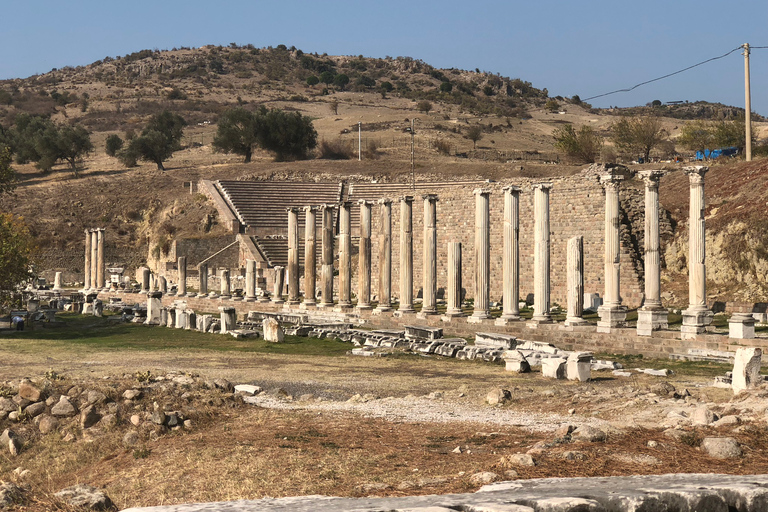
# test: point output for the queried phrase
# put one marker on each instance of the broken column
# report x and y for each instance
(154, 305)
(364, 263)
(453, 308)
(406, 255)
(482, 255)
(326, 271)
(100, 266)
(575, 264)
(250, 280)
(385, 256)
(94, 285)
(345, 254)
(310, 279)
(429, 297)
(162, 284)
(225, 288)
(144, 280)
(277, 294)
(57, 281)
(746, 369)
(293, 256)
(181, 265)
(698, 316)
(541, 253)
(652, 316)
(612, 313)
(511, 257)
(87, 265)
(579, 366)
(228, 319)
(202, 273)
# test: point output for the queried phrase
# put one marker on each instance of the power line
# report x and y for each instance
(670, 74)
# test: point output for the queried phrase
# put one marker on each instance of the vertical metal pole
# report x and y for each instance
(359, 141)
(747, 106)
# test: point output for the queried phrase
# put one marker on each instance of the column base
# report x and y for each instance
(400, 313)
(250, 299)
(264, 299)
(381, 309)
(293, 302)
(507, 320)
(225, 297)
(448, 318)
(478, 318)
(741, 326)
(307, 305)
(202, 295)
(574, 321)
(535, 323)
(364, 306)
(342, 308)
(325, 305)
(611, 317)
(695, 322)
(423, 315)
(651, 319)
(278, 301)
(213, 295)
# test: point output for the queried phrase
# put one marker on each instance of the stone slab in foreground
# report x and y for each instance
(657, 493)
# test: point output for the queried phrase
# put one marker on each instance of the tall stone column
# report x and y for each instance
(145, 273)
(612, 313)
(94, 285)
(345, 255)
(652, 316)
(202, 273)
(406, 255)
(511, 256)
(100, 266)
(226, 289)
(429, 302)
(698, 316)
(250, 280)
(57, 281)
(575, 268)
(454, 280)
(541, 254)
(364, 263)
(182, 268)
(326, 271)
(87, 265)
(293, 256)
(482, 255)
(310, 248)
(385, 256)
(277, 295)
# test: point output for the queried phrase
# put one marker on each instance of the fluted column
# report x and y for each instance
(100, 267)
(482, 255)
(697, 316)
(293, 256)
(541, 253)
(511, 256)
(225, 288)
(182, 268)
(652, 316)
(385, 256)
(345, 254)
(310, 274)
(429, 302)
(364, 253)
(454, 280)
(575, 271)
(94, 285)
(202, 273)
(277, 294)
(406, 255)
(250, 280)
(87, 264)
(326, 271)
(612, 313)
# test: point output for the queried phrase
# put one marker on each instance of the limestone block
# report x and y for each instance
(746, 369)
(741, 326)
(721, 447)
(154, 305)
(98, 308)
(272, 330)
(553, 367)
(579, 366)
(495, 340)
(516, 361)
(228, 319)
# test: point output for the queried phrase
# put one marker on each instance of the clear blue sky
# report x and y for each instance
(585, 47)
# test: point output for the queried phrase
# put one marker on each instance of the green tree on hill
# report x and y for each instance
(638, 135)
(288, 134)
(16, 245)
(157, 142)
(237, 132)
(583, 144)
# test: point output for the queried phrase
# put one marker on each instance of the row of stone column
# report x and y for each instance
(94, 271)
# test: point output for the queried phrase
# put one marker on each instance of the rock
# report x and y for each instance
(224, 385)
(89, 417)
(564, 430)
(108, 421)
(579, 366)
(85, 496)
(135, 419)
(573, 455)
(95, 397)
(456, 450)
(485, 477)
(131, 439)
(13, 415)
(553, 367)
(371, 487)
(29, 391)
(247, 389)
(10, 494)
(721, 447)
(158, 417)
(9, 439)
(663, 389)
(272, 330)
(510, 474)
(516, 361)
(35, 409)
(132, 394)
(47, 424)
(746, 369)
(7, 405)
(187, 424)
(727, 421)
(172, 419)
(519, 459)
(702, 416)
(63, 408)
(588, 434)
(497, 396)
(184, 380)
(51, 400)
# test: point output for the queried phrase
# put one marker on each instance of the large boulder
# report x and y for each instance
(29, 391)
(721, 447)
(10, 441)
(63, 408)
(498, 396)
(85, 496)
(47, 424)
(89, 417)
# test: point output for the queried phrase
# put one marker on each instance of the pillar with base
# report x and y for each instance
(277, 294)
(453, 308)
(698, 316)
(100, 266)
(250, 280)
(293, 256)
(310, 279)
(57, 281)
(364, 262)
(182, 269)
(225, 289)
(511, 257)
(541, 255)
(345, 255)
(575, 264)
(94, 285)
(406, 255)
(202, 274)
(652, 316)
(326, 271)
(162, 284)
(612, 313)
(385, 257)
(482, 309)
(87, 264)
(429, 297)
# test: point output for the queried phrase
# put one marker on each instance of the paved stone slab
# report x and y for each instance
(649, 493)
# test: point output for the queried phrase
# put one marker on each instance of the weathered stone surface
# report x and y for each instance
(47, 424)
(483, 478)
(89, 417)
(29, 391)
(131, 439)
(132, 394)
(579, 366)
(272, 330)
(553, 367)
(746, 369)
(95, 397)
(35, 409)
(702, 416)
(248, 389)
(721, 447)
(10, 441)
(498, 396)
(589, 434)
(520, 459)
(10, 494)
(63, 408)
(516, 361)
(224, 385)
(86, 496)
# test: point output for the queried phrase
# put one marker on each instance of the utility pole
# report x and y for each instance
(359, 141)
(747, 106)
(413, 167)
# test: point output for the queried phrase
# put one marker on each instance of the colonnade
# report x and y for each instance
(94, 271)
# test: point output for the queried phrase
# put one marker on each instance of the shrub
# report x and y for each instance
(442, 146)
(335, 150)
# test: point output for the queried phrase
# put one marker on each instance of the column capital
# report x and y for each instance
(542, 186)
(406, 199)
(310, 208)
(512, 189)
(481, 192)
(327, 206)
(611, 180)
(345, 204)
(364, 202)
(696, 173)
(651, 177)
(384, 200)
(429, 197)
(292, 209)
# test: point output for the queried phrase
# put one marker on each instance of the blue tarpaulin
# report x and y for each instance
(715, 153)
